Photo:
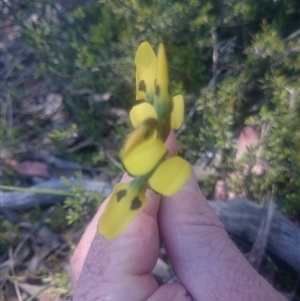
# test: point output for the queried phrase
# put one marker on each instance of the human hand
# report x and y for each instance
(206, 262)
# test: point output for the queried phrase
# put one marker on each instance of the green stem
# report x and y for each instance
(37, 190)
(34, 296)
(140, 183)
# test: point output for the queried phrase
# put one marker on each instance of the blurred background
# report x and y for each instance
(68, 83)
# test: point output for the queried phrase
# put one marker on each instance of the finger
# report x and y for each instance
(121, 267)
(203, 257)
(171, 144)
(81, 251)
(194, 239)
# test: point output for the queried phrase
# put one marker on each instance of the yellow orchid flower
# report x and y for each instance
(144, 155)
(152, 86)
(128, 199)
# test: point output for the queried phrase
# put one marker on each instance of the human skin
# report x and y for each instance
(207, 264)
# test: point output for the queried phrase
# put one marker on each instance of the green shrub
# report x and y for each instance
(236, 56)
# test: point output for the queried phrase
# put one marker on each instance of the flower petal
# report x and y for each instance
(141, 112)
(123, 206)
(145, 131)
(162, 97)
(177, 114)
(146, 62)
(144, 157)
(170, 176)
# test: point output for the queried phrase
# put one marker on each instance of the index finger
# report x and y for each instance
(84, 245)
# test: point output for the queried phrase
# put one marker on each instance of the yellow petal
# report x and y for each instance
(170, 176)
(162, 97)
(144, 157)
(142, 112)
(123, 206)
(177, 114)
(146, 130)
(146, 62)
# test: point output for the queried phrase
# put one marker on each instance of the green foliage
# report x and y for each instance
(82, 206)
(59, 283)
(85, 51)
(237, 62)
(276, 64)
(9, 234)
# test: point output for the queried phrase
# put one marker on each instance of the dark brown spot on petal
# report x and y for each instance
(121, 194)
(147, 134)
(142, 86)
(151, 124)
(157, 90)
(136, 204)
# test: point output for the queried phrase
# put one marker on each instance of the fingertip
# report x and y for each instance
(187, 206)
(171, 144)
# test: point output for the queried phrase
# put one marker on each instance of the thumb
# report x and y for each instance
(191, 232)
(205, 260)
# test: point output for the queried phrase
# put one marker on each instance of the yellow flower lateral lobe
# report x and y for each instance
(141, 112)
(146, 63)
(144, 155)
(177, 114)
(125, 203)
(170, 176)
(152, 85)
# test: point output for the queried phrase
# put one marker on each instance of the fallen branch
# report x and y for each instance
(27, 200)
(240, 217)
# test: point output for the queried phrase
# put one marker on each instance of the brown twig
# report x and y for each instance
(12, 279)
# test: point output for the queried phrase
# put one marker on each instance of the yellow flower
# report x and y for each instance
(152, 86)
(144, 155)
(128, 199)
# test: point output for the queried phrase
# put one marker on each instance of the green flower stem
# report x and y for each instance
(140, 183)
